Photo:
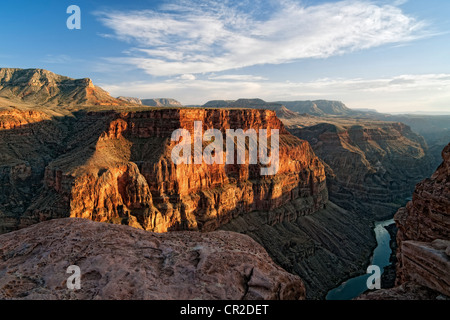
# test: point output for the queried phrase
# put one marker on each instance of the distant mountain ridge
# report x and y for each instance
(161, 102)
(155, 102)
(130, 99)
(242, 103)
(45, 88)
(318, 107)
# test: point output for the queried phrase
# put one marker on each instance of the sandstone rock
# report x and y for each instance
(424, 232)
(440, 244)
(117, 167)
(427, 265)
(406, 291)
(120, 262)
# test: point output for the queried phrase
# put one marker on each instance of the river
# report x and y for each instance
(353, 287)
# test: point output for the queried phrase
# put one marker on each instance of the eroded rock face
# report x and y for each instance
(427, 264)
(120, 262)
(424, 232)
(117, 167)
(29, 140)
(373, 166)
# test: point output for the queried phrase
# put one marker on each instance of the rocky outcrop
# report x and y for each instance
(123, 263)
(424, 232)
(29, 140)
(405, 292)
(427, 264)
(373, 166)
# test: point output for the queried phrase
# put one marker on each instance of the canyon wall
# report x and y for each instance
(423, 240)
(424, 232)
(117, 167)
(372, 166)
(324, 248)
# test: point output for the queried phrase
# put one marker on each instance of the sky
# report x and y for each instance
(387, 55)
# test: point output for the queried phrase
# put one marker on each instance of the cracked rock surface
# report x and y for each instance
(121, 262)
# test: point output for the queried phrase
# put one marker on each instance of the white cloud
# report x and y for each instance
(192, 37)
(238, 77)
(405, 93)
(187, 76)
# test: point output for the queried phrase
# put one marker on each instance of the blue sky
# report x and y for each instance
(389, 55)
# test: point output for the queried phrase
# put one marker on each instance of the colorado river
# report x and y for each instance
(356, 286)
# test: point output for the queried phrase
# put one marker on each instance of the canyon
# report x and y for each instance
(373, 165)
(423, 240)
(69, 150)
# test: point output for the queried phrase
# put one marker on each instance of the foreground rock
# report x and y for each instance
(120, 262)
(407, 291)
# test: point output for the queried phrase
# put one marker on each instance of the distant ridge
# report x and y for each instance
(319, 107)
(45, 88)
(162, 102)
(288, 109)
(130, 99)
(256, 103)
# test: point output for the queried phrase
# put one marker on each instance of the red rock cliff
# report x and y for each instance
(118, 168)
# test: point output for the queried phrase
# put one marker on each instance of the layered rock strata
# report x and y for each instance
(117, 167)
(423, 239)
(372, 166)
(424, 232)
(124, 263)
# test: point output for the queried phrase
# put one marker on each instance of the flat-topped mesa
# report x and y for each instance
(126, 174)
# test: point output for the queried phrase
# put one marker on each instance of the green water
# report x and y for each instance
(353, 287)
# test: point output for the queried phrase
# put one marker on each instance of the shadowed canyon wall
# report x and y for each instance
(117, 167)
(372, 167)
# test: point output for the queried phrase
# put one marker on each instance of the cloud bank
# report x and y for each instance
(194, 36)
